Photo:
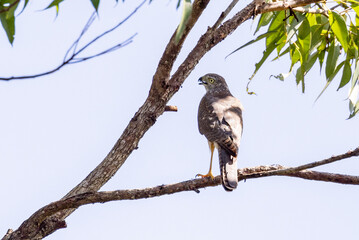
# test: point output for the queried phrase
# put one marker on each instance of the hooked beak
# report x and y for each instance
(201, 82)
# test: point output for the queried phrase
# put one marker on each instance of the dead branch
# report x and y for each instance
(170, 108)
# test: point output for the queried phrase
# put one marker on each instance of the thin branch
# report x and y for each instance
(114, 48)
(292, 170)
(112, 29)
(225, 14)
(73, 58)
(84, 30)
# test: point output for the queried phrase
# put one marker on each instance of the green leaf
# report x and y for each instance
(299, 77)
(264, 20)
(295, 55)
(354, 101)
(332, 58)
(281, 76)
(7, 18)
(304, 29)
(317, 36)
(9, 26)
(287, 50)
(339, 27)
(311, 60)
(266, 54)
(186, 13)
(264, 35)
(23, 8)
(347, 73)
(278, 26)
(312, 19)
(55, 3)
(95, 4)
(304, 40)
(355, 77)
(355, 110)
(355, 8)
(330, 79)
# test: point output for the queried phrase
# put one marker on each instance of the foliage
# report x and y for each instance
(315, 34)
(7, 17)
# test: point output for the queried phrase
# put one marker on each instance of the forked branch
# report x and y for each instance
(75, 55)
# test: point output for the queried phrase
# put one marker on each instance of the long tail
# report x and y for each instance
(228, 166)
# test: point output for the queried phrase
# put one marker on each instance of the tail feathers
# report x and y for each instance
(228, 166)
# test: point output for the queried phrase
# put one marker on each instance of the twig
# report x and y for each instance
(224, 14)
(73, 58)
(84, 30)
(287, 171)
(120, 45)
(170, 108)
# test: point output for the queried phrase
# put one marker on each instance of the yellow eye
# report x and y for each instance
(211, 80)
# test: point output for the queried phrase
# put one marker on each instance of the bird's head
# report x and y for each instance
(213, 82)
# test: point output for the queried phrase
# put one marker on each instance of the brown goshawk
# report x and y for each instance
(220, 121)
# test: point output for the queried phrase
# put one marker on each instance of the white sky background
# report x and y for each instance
(56, 129)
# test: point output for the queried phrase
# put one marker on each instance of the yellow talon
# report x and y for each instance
(209, 174)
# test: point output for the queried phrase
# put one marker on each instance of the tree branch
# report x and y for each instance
(72, 202)
(225, 13)
(190, 185)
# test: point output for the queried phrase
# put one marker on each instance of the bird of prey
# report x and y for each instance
(220, 121)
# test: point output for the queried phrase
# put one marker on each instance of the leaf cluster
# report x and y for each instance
(315, 34)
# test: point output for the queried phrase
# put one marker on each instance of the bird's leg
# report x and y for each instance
(209, 174)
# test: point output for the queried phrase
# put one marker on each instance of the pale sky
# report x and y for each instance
(56, 129)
